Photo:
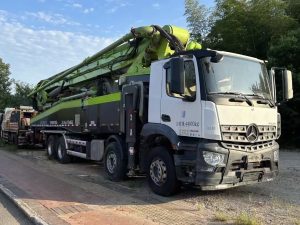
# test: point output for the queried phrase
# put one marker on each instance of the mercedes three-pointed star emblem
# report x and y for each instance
(252, 133)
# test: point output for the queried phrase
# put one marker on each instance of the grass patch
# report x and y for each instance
(7, 147)
(246, 219)
(297, 222)
(200, 206)
(221, 217)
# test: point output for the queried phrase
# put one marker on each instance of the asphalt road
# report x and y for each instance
(79, 193)
(10, 214)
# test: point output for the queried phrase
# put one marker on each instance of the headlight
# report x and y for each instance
(278, 125)
(276, 156)
(213, 158)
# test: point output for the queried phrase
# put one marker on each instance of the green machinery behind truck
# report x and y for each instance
(155, 103)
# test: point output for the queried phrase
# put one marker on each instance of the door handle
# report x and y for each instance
(165, 118)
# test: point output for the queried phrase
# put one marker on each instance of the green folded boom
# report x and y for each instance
(130, 55)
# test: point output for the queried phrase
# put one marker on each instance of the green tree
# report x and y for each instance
(248, 26)
(198, 19)
(293, 9)
(5, 84)
(285, 52)
(22, 90)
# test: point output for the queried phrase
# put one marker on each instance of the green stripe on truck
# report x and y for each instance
(77, 103)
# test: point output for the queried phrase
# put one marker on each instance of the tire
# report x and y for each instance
(161, 173)
(10, 138)
(51, 147)
(115, 162)
(62, 155)
(15, 139)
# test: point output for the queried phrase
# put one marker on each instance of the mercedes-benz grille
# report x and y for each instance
(248, 137)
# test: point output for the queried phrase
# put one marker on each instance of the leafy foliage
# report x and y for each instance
(286, 52)
(21, 89)
(247, 27)
(198, 19)
(5, 84)
(293, 9)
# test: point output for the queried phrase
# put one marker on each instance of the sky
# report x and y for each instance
(40, 38)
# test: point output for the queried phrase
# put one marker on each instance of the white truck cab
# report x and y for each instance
(220, 113)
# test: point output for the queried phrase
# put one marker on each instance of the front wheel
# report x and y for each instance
(161, 172)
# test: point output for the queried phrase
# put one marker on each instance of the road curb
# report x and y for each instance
(29, 212)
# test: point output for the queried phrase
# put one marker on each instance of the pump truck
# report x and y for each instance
(156, 103)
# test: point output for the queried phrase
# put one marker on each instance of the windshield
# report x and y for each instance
(236, 75)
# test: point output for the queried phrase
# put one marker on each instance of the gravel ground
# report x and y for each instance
(10, 214)
(276, 202)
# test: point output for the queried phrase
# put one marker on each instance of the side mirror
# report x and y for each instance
(288, 84)
(177, 79)
(217, 58)
(281, 78)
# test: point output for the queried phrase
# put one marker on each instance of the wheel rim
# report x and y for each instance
(59, 152)
(111, 162)
(158, 172)
(49, 149)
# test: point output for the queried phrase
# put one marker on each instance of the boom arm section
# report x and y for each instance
(132, 54)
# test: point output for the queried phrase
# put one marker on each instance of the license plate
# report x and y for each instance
(254, 158)
(252, 176)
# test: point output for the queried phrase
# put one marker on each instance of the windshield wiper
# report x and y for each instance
(238, 94)
(264, 100)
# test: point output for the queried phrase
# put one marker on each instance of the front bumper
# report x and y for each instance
(265, 178)
(241, 168)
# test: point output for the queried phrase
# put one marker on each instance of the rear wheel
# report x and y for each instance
(115, 162)
(62, 155)
(51, 147)
(161, 172)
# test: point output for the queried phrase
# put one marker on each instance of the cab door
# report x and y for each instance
(182, 112)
